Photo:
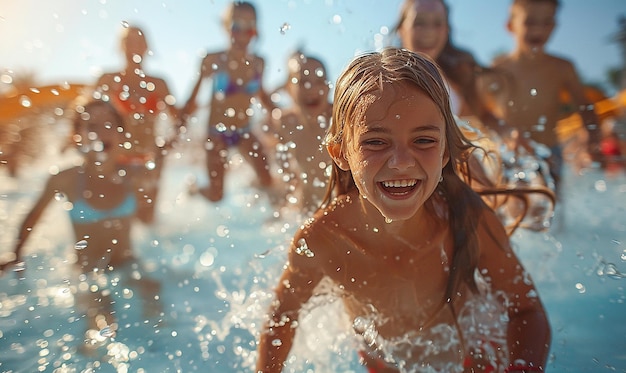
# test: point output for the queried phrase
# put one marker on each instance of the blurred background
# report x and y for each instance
(53, 41)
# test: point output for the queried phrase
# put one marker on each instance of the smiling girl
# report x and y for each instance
(424, 268)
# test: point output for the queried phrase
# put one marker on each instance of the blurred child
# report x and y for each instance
(534, 82)
(142, 100)
(237, 80)
(424, 26)
(300, 131)
(423, 267)
(102, 206)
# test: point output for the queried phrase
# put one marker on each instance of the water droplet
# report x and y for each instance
(388, 220)
(25, 101)
(150, 165)
(533, 92)
(222, 230)
(81, 245)
(284, 28)
(207, 259)
(610, 270)
(303, 249)
(600, 185)
(220, 127)
(107, 332)
(581, 288)
(19, 267)
(277, 342)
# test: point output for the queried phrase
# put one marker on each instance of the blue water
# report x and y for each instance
(219, 262)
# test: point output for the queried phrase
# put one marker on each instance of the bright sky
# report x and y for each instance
(75, 40)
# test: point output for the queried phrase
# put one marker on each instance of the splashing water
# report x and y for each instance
(609, 270)
(302, 248)
(219, 264)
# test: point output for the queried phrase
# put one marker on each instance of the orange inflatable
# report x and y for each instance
(605, 107)
(37, 100)
(21, 128)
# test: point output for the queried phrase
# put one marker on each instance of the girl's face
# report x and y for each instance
(308, 86)
(242, 27)
(425, 28)
(396, 152)
(134, 45)
(101, 137)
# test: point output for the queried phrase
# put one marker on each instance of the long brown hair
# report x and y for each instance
(367, 73)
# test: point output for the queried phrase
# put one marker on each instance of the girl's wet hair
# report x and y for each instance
(227, 18)
(369, 73)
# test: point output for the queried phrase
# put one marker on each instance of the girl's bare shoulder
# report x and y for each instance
(65, 182)
(337, 219)
(214, 59)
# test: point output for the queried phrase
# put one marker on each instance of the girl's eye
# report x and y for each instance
(425, 141)
(373, 142)
(426, 23)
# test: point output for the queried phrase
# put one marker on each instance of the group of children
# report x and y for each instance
(387, 173)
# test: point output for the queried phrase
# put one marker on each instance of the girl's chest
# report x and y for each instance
(393, 275)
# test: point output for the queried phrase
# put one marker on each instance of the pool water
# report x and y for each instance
(218, 263)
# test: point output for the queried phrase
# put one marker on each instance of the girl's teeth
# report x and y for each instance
(398, 183)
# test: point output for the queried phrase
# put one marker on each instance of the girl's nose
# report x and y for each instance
(401, 158)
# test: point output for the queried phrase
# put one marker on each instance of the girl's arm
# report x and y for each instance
(190, 105)
(31, 220)
(263, 96)
(528, 328)
(294, 288)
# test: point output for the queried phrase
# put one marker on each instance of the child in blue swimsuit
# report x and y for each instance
(236, 77)
(103, 206)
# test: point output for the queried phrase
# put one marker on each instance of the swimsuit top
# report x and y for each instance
(223, 84)
(83, 213)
